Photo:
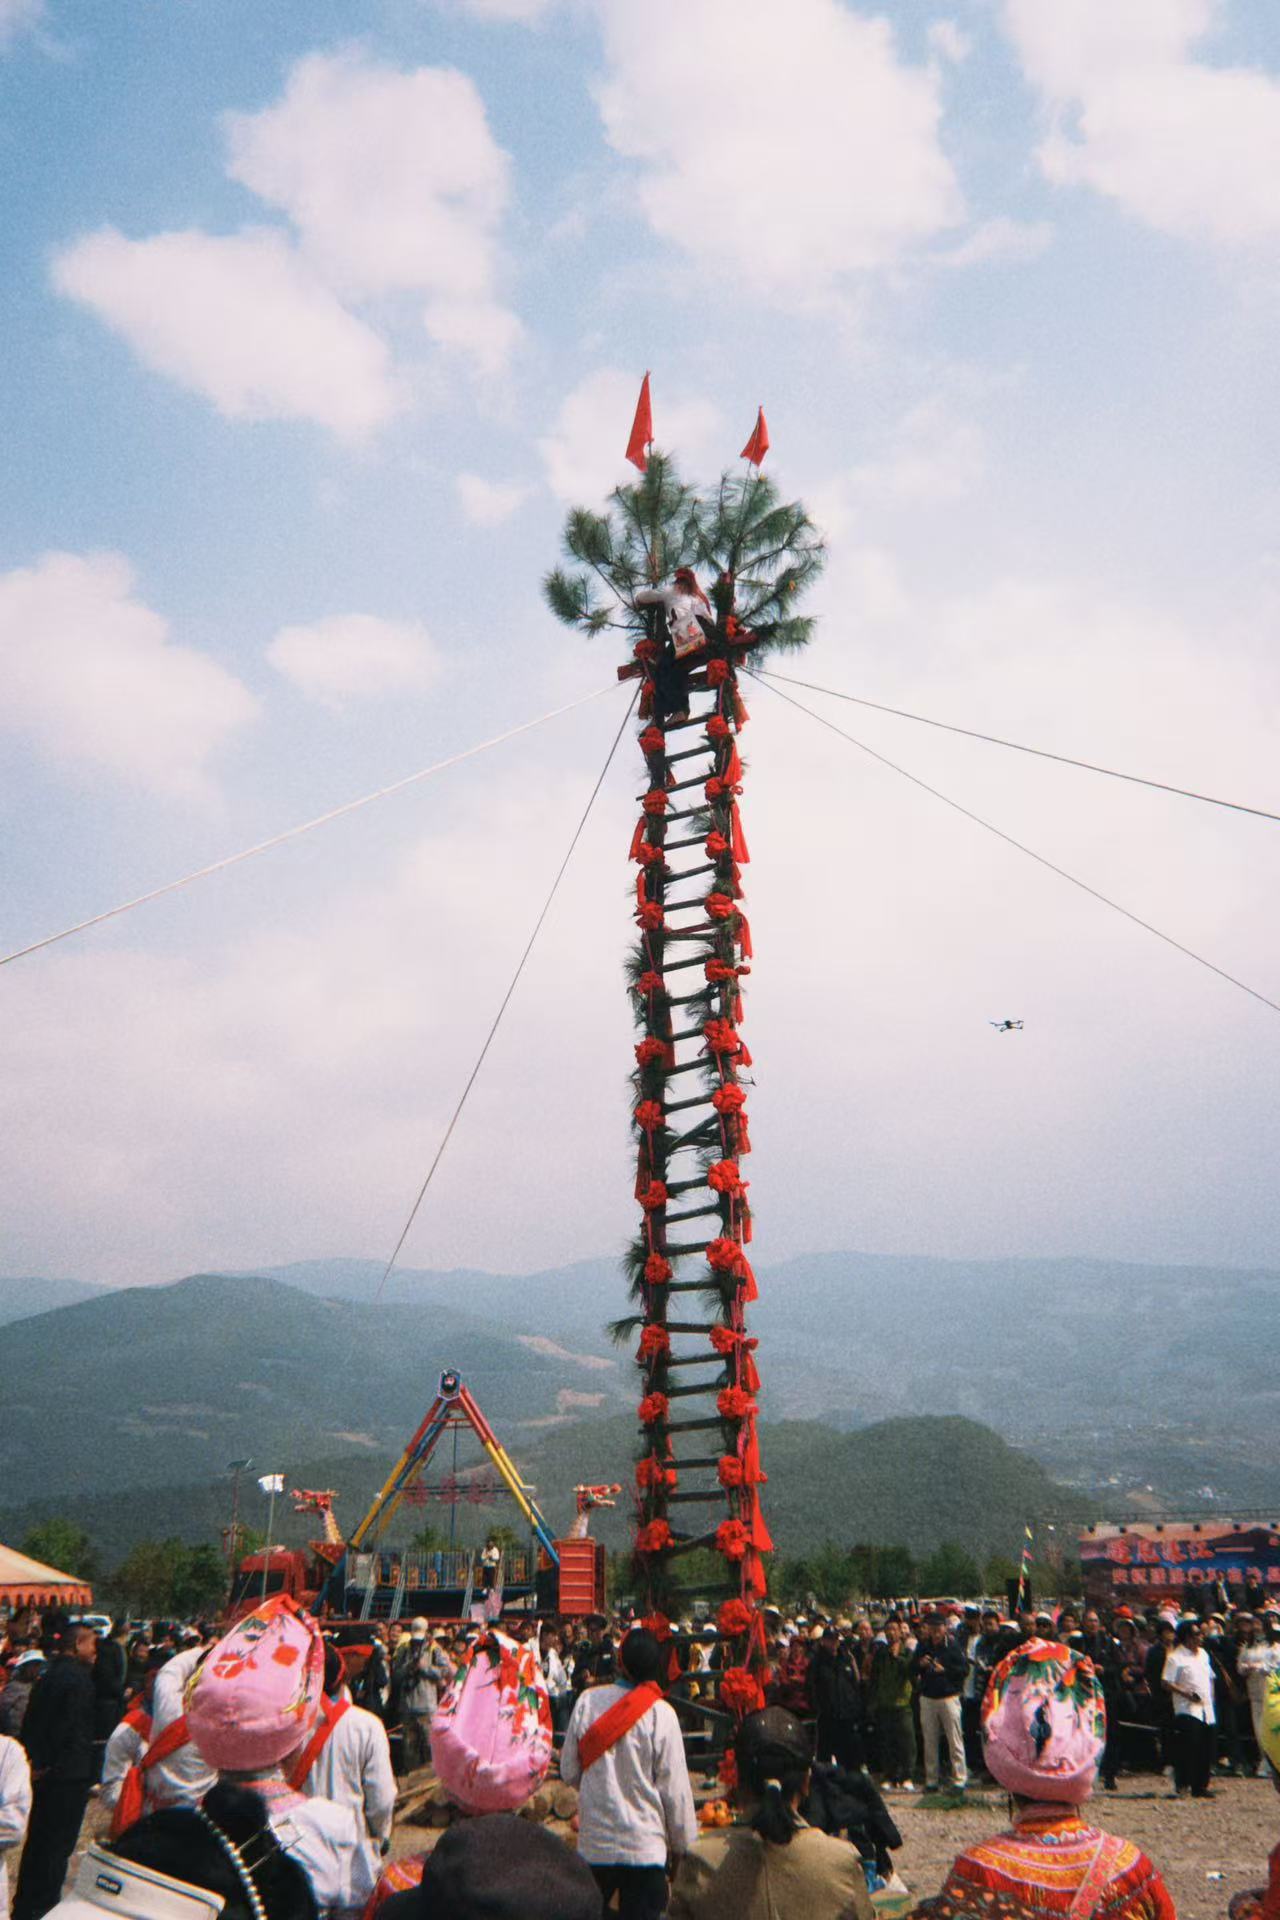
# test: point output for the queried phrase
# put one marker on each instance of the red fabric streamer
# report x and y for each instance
(740, 853)
(641, 429)
(655, 1538)
(740, 1691)
(649, 1116)
(657, 1270)
(732, 775)
(734, 1403)
(732, 1539)
(742, 934)
(649, 914)
(654, 1196)
(652, 1409)
(652, 740)
(655, 801)
(650, 982)
(638, 840)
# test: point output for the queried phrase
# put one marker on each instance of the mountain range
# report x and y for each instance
(1139, 1386)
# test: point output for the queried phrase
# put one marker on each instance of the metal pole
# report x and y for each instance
(271, 1514)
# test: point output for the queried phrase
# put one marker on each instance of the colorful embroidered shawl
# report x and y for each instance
(1051, 1863)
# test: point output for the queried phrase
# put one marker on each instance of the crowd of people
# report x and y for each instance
(255, 1771)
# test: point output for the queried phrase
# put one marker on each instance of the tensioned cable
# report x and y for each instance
(293, 833)
(1031, 853)
(1019, 746)
(506, 999)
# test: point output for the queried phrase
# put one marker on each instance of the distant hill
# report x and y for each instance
(161, 1385)
(21, 1298)
(914, 1482)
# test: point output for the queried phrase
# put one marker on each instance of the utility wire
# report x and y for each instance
(506, 1000)
(1031, 853)
(1018, 746)
(293, 833)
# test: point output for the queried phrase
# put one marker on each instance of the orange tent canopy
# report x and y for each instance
(29, 1583)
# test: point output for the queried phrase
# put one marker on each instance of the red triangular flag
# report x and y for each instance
(641, 429)
(758, 445)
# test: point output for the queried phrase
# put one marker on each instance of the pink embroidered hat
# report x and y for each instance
(1043, 1722)
(256, 1695)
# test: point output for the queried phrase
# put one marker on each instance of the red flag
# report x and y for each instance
(758, 445)
(641, 429)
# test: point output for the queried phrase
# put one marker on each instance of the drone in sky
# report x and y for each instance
(1006, 1026)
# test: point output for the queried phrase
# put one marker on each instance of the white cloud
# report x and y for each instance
(1000, 239)
(394, 183)
(16, 16)
(584, 454)
(355, 656)
(949, 40)
(487, 503)
(930, 455)
(1188, 148)
(240, 319)
(91, 676)
(798, 157)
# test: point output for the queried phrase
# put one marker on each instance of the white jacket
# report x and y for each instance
(682, 611)
(185, 1777)
(354, 1769)
(635, 1805)
(15, 1808)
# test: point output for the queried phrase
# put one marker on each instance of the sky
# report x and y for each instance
(317, 319)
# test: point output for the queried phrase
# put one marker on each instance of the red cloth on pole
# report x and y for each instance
(642, 429)
(758, 445)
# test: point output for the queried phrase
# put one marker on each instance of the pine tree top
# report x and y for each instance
(756, 553)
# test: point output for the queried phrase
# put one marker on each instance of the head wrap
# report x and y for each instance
(1043, 1722)
(491, 1733)
(1269, 1735)
(256, 1695)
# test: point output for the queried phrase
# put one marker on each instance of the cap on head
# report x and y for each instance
(419, 1628)
(256, 1695)
(1043, 1723)
(1269, 1733)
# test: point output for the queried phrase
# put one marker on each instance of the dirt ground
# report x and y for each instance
(1188, 1840)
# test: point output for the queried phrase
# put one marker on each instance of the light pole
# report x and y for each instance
(271, 1484)
(235, 1468)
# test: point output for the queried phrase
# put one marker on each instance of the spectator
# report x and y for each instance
(499, 1868)
(970, 1640)
(1043, 1728)
(889, 1690)
(940, 1669)
(836, 1691)
(226, 1848)
(771, 1863)
(559, 1685)
(1161, 1699)
(58, 1736)
(1263, 1903)
(625, 1753)
(348, 1760)
(1129, 1703)
(1188, 1677)
(422, 1669)
(15, 1808)
(110, 1682)
(1257, 1659)
(23, 1674)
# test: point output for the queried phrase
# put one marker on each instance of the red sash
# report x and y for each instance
(615, 1721)
(331, 1711)
(131, 1805)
